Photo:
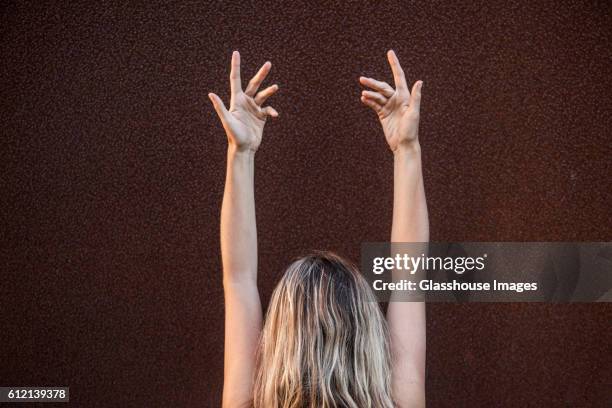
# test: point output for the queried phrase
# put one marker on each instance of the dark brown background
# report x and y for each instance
(113, 165)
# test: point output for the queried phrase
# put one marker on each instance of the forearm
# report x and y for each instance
(410, 218)
(410, 228)
(238, 228)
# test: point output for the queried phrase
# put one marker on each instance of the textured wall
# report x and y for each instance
(112, 166)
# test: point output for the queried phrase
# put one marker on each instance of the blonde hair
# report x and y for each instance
(325, 341)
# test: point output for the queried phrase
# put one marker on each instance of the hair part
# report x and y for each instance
(325, 341)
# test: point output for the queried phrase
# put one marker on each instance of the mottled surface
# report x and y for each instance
(112, 165)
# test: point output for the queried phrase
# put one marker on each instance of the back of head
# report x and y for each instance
(325, 340)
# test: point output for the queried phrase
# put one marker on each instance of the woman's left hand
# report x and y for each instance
(245, 119)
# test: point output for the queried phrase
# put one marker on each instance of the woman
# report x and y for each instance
(324, 343)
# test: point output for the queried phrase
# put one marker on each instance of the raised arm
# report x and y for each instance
(243, 124)
(398, 110)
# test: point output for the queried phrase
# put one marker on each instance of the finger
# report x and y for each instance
(382, 87)
(219, 106)
(398, 72)
(375, 96)
(261, 97)
(235, 74)
(259, 77)
(270, 111)
(415, 96)
(371, 103)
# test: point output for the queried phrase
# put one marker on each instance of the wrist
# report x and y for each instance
(408, 149)
(238, 152)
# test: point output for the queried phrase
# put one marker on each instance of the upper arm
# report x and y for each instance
(243, 323)
(407, 338)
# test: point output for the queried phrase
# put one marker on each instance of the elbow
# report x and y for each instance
(239, 277)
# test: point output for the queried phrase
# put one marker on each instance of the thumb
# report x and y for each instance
(219, 106)
(415, 95)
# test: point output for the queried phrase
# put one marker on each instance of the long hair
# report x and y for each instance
(325, 342)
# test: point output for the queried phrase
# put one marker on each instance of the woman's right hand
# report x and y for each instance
(245, 119)
(398, 109)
